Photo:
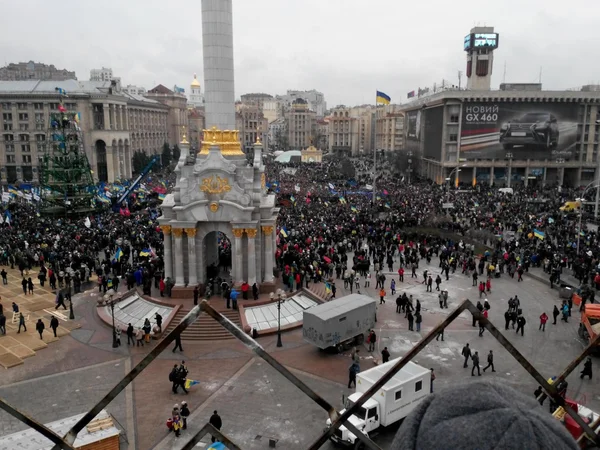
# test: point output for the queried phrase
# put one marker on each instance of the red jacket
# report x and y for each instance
(543, 318)
(161, 285)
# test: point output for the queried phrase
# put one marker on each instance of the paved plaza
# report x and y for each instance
(257, 403)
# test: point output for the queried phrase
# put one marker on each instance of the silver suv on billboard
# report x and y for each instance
(535, 129)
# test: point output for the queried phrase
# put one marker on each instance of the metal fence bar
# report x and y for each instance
(42, 429)
(551, 388)
(257, 348)
(121, 385)
(388, 376)
(209, 428)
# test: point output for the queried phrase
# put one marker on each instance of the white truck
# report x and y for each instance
(393, 402)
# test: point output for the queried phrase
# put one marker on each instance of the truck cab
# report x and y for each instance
(366, 420)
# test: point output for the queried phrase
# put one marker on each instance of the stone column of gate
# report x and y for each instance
(177, 236)
(166, 229)
(251, 232)
(192, 271)
(268, 252)
(237, 256)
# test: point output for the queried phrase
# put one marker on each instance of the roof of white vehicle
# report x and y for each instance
(339, 306)
(408, 372)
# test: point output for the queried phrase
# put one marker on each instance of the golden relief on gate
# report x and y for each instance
(215, 185)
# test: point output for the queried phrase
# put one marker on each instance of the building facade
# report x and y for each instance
(389, 128)
(251, 124)
(113, 125)
(104, 74)
(197, 124)
(343, 135)
(506, 137)
(134, 90)
(34, 71)
(177, 121)
(278, 135)
(301, 125)
(315, 100)
(322, 136)
(272, 109)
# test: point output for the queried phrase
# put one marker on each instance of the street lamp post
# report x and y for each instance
(111, 303)
(280, 294)
(582, 200)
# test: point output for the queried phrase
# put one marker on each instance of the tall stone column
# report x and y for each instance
(251, 255)
(217, 44)
(166, 229)
(237, 255)
(192, 271)
(179, 277)
(268, 253)
(110, 163)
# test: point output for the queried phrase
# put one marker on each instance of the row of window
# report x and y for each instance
(37, 106)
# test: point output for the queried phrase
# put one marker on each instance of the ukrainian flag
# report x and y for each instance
(387, 205)
(327, 287)
(190, 383)
(353, 209)
(539, 234)
(145, 252)
(161, 196)
(383, 98)
(118, 254)
(284, 232)
(342, 200)
(217, 446)
(293, 199)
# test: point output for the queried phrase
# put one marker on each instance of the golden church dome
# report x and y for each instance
(195, 82)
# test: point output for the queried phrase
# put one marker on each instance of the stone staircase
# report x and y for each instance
(205, 328)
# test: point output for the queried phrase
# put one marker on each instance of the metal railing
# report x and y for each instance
(66, 442)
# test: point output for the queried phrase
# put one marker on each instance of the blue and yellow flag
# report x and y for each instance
(189, 383)
(342, 200)
(145, 252)
(284, 232)
(118, 254)
(217, 446)
(387, 205)
(353, 209)
(327, 287)
(293, 199)
(161, 196)
(383, 98)
(539, 234)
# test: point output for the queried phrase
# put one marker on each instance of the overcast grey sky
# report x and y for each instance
(345, 48)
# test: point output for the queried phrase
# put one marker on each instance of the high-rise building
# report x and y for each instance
(321, 140)
(389, 128)
(251, 124)
(480, 44)
(278, 136)
(196, 99)
(134, 90)
(272, 109)
(301, 125)
(34, 71)
(314, 99)
(343, 138)
(104, 74)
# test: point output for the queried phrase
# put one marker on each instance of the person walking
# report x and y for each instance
(22, 323)
(385, 355)
(381, 296)
(399, 304)
(372, 338)
(139, 337)
(173, 379)
(184, 411)
(481, 322)
(521, 324)
(392, 287)
(40, 327)
(158, 319)
(215, 421)
(587, 369)
(440, 335)
(24, 284)
(54, 325)
(543, 320)
(475, 359)
(490, 360)
(474, 278)
(130, 334)
(4, 277)
(466, 352)
(352, 371)
(555, 314)
(410, 321)
(418, 320)
(178, 344)
(2, 324)
(60, 300)
(429, 284)
(30, 285)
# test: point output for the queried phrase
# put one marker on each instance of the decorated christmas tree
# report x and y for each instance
(66, 176)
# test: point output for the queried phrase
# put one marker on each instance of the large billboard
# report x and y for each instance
(518, 130)
(413, 125)
(432, 139)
